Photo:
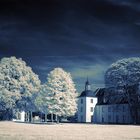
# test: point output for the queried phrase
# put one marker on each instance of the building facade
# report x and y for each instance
(113, 114)
(118, 106)
(86, 104)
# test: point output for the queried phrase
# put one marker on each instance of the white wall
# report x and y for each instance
(86, 115)
(82, 115)
(22, 116)
(117, 113)
(89, 114)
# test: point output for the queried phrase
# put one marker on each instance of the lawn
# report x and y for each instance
(24, 131)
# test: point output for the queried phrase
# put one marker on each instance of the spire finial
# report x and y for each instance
(87, 85)
(87, 78)
(87, 82)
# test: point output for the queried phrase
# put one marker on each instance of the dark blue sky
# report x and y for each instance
(82, 36)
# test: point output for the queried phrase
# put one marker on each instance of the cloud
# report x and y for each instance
(83, 37)
(133, 4)
(88, 71)
(79, 69)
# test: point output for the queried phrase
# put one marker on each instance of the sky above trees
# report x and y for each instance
(83, 36)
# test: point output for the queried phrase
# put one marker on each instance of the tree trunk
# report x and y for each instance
(46, 117)
(31, 116)
(56, 118)
(25, 116)
(52, 117)
(41, 117)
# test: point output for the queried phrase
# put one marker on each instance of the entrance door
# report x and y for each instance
(117, 119)
(102, 119)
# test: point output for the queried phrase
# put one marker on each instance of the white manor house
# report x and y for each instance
(119, 105)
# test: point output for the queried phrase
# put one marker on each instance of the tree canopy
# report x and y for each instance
(17, 83)
(58, 95)
(122, 72)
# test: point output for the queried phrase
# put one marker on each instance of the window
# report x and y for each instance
(123, 108)
(91, 109)
(81, 101)
(117, 119)
(102, 119)
(81, 118)
(109, 118)
(109, 109)
(123, 119)
(91, 101)
(81, 109)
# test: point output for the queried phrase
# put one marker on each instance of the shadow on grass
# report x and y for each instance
(39, 123)
(62, 123)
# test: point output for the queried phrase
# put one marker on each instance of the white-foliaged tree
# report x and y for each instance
(59, 93)
(123, 77)
(41, 101)
(122, 72)
(17, 83)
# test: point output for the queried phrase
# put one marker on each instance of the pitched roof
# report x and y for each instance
(99, 91)
(87, 93)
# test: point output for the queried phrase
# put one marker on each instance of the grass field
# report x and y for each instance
(23, 131)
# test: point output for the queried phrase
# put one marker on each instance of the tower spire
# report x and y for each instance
(87, 79)
(87, 85)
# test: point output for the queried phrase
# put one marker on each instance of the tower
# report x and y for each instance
(87, 85)
(86, 103)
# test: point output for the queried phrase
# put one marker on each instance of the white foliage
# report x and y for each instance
(59, 94)
(17, 79)
(125, 71)
(7, 99)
